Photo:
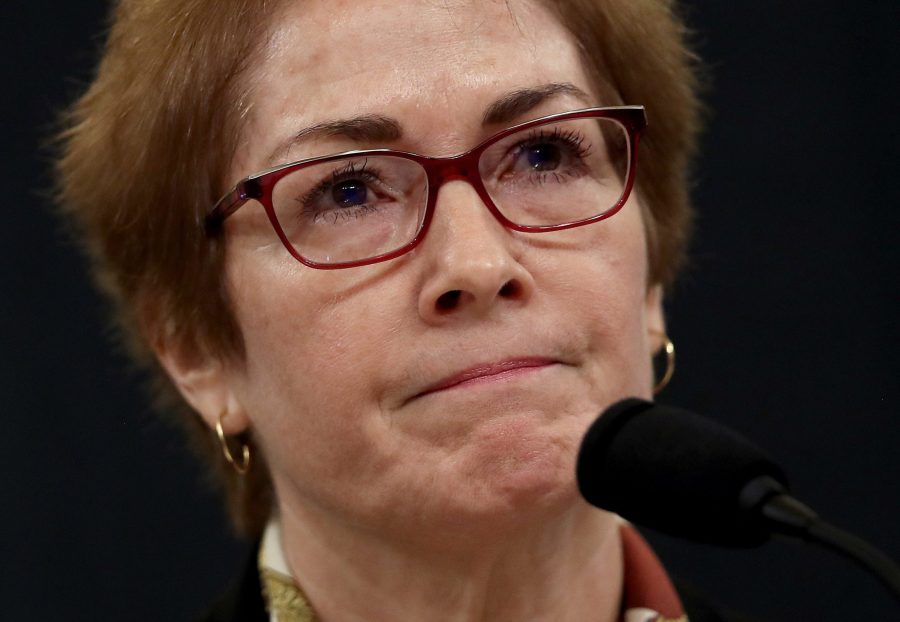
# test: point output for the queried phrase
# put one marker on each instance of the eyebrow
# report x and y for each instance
(373, 128)
(513, 105)
(364, 128)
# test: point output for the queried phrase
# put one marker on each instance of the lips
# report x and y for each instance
(488, 372)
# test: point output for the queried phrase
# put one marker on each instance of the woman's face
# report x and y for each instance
(345, 381)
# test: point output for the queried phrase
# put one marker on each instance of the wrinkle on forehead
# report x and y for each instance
(458, 13)
(463, 24)
(315, 66)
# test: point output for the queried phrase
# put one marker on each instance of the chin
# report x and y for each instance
(519, 467)
(538, 489)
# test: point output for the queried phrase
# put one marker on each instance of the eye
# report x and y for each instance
(352, 186)
(545, 154)
(542, 156)
(349, 193)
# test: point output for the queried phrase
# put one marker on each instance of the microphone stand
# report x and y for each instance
(783, 514)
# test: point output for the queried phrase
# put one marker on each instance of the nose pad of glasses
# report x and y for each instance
(460, 167)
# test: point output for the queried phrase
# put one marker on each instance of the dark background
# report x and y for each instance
(786, 327)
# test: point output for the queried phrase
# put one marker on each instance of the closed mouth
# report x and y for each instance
(488, 372)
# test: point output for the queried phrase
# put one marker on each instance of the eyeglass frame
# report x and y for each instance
(438, 171)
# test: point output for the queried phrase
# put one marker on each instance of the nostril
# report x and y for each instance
(453, 300)
(510, 289)
(449, 300)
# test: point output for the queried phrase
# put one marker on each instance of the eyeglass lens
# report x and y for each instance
(355, 208)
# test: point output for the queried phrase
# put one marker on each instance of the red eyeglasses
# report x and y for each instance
(362, 207)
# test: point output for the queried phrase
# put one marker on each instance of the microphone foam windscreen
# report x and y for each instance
(673, 471)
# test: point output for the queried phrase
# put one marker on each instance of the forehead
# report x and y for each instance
(433, 65)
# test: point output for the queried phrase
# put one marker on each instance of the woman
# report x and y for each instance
(392, 358)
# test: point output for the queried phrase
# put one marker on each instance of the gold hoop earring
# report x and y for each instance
(244, 465)
(669, 349)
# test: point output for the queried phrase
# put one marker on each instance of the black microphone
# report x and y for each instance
(682, 474)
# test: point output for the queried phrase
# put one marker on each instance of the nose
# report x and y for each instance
(470, 266)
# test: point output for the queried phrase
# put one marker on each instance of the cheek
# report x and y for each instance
(313, 364)
(603, 291)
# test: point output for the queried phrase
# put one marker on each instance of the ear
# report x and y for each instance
(654, 317)
(203, 381)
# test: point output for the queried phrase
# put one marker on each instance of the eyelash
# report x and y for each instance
(569, 138)
(349, 171)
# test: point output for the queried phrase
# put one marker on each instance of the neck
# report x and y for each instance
(563, 567)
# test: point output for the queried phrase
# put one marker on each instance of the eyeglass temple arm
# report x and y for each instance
(227, 205)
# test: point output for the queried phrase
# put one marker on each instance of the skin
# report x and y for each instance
(457, 504)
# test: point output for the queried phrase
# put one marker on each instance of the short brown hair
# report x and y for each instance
(147, 149)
